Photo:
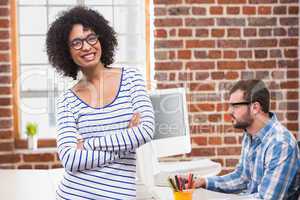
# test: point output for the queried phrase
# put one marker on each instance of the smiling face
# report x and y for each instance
(89, 55)
(239, 110)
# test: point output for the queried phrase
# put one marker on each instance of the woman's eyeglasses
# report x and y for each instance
(77, 43)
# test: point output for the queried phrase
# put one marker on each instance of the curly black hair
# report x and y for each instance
(58, 35)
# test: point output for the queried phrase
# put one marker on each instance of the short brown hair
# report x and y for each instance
(254, 91)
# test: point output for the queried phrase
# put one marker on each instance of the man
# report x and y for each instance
(270, 156)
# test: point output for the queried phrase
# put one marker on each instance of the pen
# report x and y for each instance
(173, 185)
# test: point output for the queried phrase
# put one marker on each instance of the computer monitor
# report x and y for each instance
(171, 135)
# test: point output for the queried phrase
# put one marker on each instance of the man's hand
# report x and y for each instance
(200, 183)
(135, 120)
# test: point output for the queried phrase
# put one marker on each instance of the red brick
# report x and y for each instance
(249, 32)
(279, 32)
(217, 75)
(233, 65)
(9, 158)
(222, 107)
(215, 140)
(179, 11)
(262, 64)
(6, 146)
(160, 33)
(217, 32)
(168, 65)
(5, 112)
(288, 42)
(4, 12)
(5, 68)
(161, 55)
(245, 54)
(5, 79)
(289, 85)
(201, 106)
(288, 63)
(231, 43)
(43, 143)
(200, 43)
(234, 32)
(200, 140)
(4, 57)
(260, 54)
(275, 53)
(262, 43)
(214, 117)
(184, 54)
(292, 116)
(201, 76)
(41, 166)
(229, 54)
(168, 2)
(199, 11)
(229, 151)
(265, 32)
(197, 65)
(207, 151)
(5, 101)
(292, 126)
(171, 85)
(280, 10)
(202, 86)
(293, 10)
(292, 74)
(216, 10)
(230, 140)
(202, 32)
(4, 34)
(231, 75)
(5, 90)
(200, 1)
(6, 134)
(168, 44)
(262, 21)
(159, 11)
(292, 95)
(249, 10)
(5, 123)
(213, 54)
(232, 1)
(4, 23)
(199, 22)
(231, 162)
(289, 21)
(291, 53)
(200, 54)
(264, 10)
(172, 32)
(185, 32)
(55, 166)
(39, 157)
(25, 166)
(184, 76)
(3, 2)
(168, 22)
(233, 10)
(231, 22)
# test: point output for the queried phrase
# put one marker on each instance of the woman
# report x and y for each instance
(108, 109)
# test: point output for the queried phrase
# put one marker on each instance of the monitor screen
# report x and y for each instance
(168, 109)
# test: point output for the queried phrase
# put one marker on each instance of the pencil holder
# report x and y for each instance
(183, 195)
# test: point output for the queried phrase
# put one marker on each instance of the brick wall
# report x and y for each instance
(13, 153)
(207, 45)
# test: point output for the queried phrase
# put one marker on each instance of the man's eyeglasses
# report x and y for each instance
(77, 43)
(236, 104)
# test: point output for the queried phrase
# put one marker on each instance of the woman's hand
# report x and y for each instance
(80, 142)
(200, 183)
(135, 120)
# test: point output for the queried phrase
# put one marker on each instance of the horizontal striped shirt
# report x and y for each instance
(106, 167)
(268, 164)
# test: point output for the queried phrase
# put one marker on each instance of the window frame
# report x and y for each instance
(50, 142)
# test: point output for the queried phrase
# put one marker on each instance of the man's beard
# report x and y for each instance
(243, 123)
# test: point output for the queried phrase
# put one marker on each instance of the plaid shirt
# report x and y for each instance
(268, 164)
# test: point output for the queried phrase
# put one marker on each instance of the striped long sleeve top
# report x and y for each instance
(106, 167)
(268, 165)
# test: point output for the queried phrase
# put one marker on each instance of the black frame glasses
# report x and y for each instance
(233, 105)
(78, 43)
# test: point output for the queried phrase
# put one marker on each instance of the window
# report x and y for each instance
(39, 83)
